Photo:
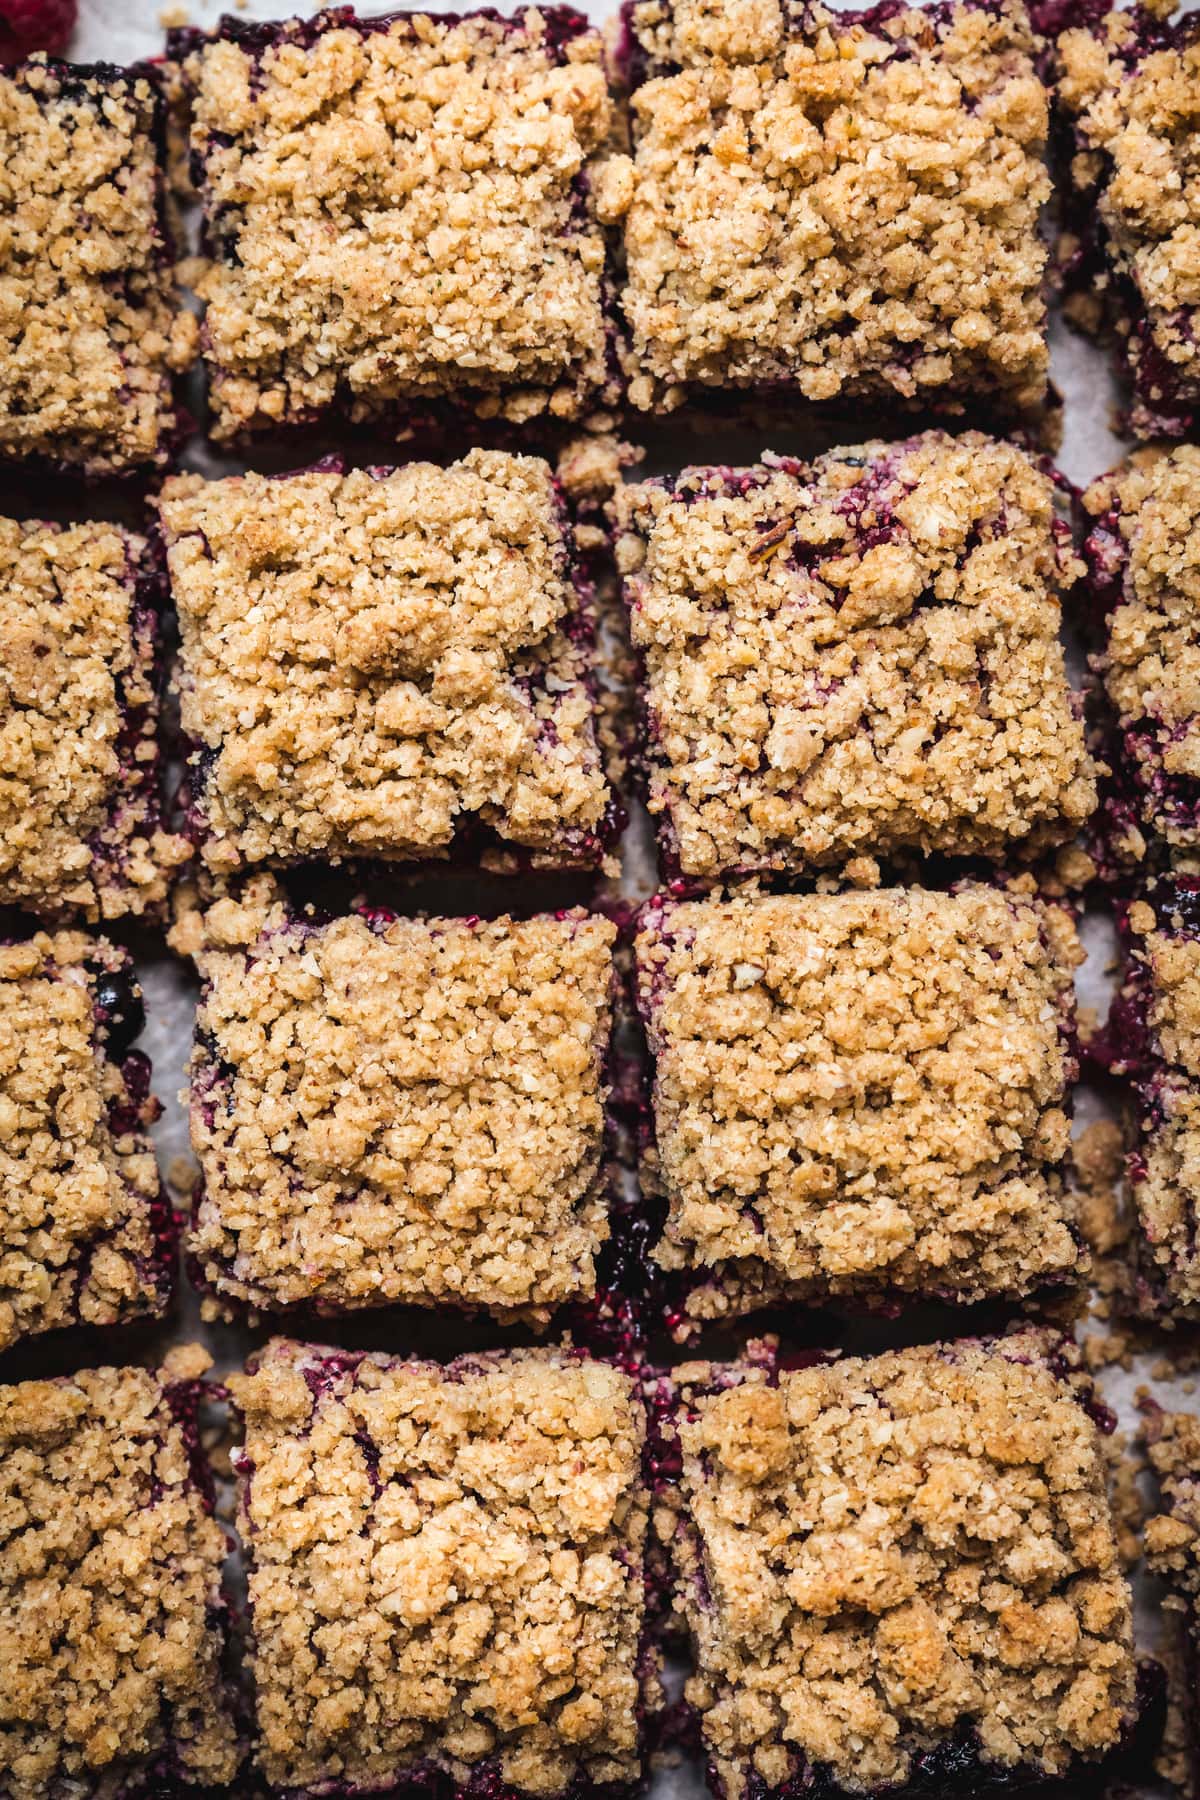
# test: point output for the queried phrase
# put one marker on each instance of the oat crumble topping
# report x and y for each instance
(373, 661)
(79, 805)
(861, 1092)
(90, 330)
(401, 1109)
(398, 212)
(1172, 1537)
(858, 654)
(109, 1590)
(877, 1555)
(846, 206)
(446, 1567)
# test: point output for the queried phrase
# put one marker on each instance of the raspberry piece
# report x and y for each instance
(29, 25)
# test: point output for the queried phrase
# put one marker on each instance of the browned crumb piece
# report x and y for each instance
(878, 1555)
(401, 1109)
(109, 1590)
(861, 1092)
(90, 329)
(79, 803)
(400, 212)
(856, 655)
(372, 662)
(83, 1236)
(840, 206)
(1173, 1536)
(445, 1567)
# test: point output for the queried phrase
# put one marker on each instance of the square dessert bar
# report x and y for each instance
(854, 656)
(836, 204)
(446, 1572)
(376, 663)
(900, 1573)
(400, 216)
(91, 332)
(1127, 87)
(395, 1109)
(80, 825)
(861, 1093)
(1172, 1536)
(110, 1569)
(1143, 554)
(86, 1232)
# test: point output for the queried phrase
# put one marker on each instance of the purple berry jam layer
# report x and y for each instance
(447, 1581)
(400, 1110)
(834, 204)
(857, 656)
(400, 213)
(375, 664)
(86, 1231)
(80, 823)
(899, 1569)
(110, 1588)
(92, 335)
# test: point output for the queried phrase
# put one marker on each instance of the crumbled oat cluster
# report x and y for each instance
(878, 1555)
(861, 1092)
(1172, 1537)
(445, 1567)
(373, 662)
(1129, 87)
(83, 1220)
(400, 212)
(90, 330)
(1144, 556)
(80, 831)
(401, 1109)
(110, 1570)
(840, 205)
(855, 655)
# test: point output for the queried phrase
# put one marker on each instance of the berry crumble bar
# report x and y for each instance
(80, 829)
(91, 334)
(86, 1231)
(857, 655)
(861, 1093)
(446, 1572)
(1127, 88)
(110, 1566)
(1143, 554)
(893, 1568)
(376, 662)
(392, 1109)
(400, 216)
(833, 204)
(1172, 1537)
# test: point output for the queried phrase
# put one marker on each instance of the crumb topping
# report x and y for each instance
(1172, 1537)
(860, 654)
(398, 211)
(79, 815)
(863, 1090)
(371, 660)
(402, 1110)
(878, 1552)
(446, 1566)
(849, 206)
(79, 1185)
(90, 330)
(109, 1586)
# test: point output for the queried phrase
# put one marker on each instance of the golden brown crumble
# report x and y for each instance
(446, 1566)
(862, 1091)
(109, 1575)
(398, 213)
(369, 661)
(1173, 1536)
(79, 818)
(876, 1552)
(77, 1192)
(860, 654)
(90, 330)
(846, 208)
(413, 1111)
